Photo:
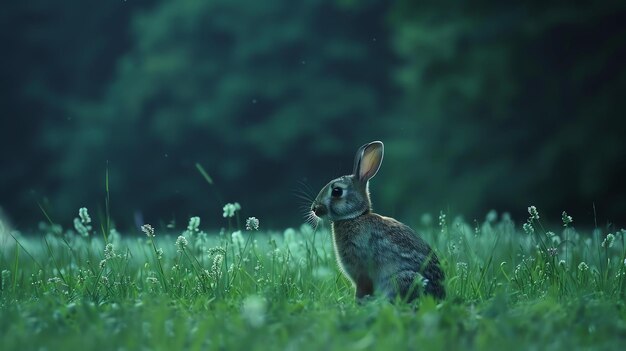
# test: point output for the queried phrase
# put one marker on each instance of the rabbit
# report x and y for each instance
(379, 255)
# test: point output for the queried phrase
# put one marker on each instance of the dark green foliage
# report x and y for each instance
(511, 104)
(261, 94)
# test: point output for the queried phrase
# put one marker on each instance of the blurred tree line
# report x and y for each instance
(482, 105)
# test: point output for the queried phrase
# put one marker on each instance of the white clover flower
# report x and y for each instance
(230, 209)
(534, 214)
(148, 230)
(608, 241)
(181, 243)
(528, 228)
(84, 215)
(566, 219)
(194, 224)
(252, 223)
(81, 228)
(582, 266)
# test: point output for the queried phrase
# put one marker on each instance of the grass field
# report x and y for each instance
(510, 287)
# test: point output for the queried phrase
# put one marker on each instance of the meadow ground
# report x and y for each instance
(510, 287)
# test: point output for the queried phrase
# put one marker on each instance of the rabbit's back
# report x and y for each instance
(384, 249)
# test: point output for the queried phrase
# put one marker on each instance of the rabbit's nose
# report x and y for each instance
(319, 209)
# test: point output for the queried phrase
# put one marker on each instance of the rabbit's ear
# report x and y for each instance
(368, 160)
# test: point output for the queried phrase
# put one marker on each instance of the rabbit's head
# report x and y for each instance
(348, 196)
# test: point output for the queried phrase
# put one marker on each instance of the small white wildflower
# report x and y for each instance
(562, 263)
(216, 250)
(84, 215)
(550, 234)
(181, 243)
(152, 280)
(253, 310)
(159, 253)
(608, 241)
(252, 223)
(534, 214)
(148, 230)
(216, 268)
(230, 209)
(81, 228)
(102, 264)
(528, 228)
(194, 224)
(582, 266)
(109, 252)
(552, 251)
(566, 219)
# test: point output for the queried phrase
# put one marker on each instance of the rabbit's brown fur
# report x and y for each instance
(378, 254)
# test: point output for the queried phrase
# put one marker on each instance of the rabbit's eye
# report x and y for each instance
(336, 192)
